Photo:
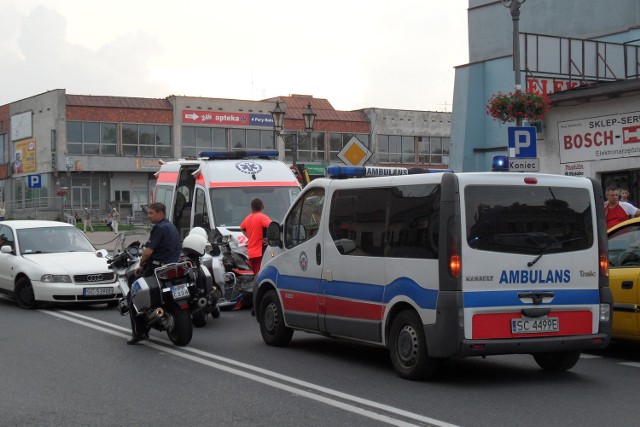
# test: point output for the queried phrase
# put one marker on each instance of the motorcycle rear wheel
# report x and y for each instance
(182, 330)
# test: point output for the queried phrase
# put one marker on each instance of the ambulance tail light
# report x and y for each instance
(455, 265)
(604, 265)
(605, 312)
(603, 254)
(453, 255)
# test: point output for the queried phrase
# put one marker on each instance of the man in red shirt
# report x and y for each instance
(617, 211)
(253, 227)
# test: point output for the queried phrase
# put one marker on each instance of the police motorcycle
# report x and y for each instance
(238, 275)
(161, 299)
(207, 294)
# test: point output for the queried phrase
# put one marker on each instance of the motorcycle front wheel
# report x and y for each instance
(182, 330)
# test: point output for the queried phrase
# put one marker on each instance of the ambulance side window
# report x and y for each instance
(402, 222)
(304, 220)
(164, 195)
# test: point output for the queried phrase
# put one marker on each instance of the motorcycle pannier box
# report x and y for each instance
(146, 293)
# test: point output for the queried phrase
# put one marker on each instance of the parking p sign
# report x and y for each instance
(34, 181)
(522, 142)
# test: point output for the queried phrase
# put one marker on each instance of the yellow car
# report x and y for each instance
(624, 278)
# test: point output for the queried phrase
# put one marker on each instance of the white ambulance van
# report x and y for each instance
(441, 265)
(215, 190)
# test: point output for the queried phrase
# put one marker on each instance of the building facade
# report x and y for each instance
(590, 69)
(62, 153)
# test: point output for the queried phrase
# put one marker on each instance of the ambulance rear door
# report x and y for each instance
(233, 184)
(530, 259)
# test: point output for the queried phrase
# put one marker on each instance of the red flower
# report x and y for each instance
(518, 104)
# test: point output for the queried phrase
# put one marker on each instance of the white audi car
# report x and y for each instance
(52, 262)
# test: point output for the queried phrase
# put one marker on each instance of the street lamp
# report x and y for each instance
(309, 117)
(514, 7)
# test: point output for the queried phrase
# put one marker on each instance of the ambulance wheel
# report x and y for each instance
(408, 348)
(557, 361)
(272, 327)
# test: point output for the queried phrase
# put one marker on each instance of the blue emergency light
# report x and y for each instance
(238, 154)
(338, 171)
(500, 164)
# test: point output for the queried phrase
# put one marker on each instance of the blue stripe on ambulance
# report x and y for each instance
(510, 297)
(373, 293)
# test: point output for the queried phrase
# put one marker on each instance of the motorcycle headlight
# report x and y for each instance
(55, 278)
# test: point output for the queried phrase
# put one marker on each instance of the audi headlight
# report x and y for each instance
(56, 278)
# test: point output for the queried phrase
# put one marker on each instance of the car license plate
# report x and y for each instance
(534, 326)
(91, 292)
(179, 291)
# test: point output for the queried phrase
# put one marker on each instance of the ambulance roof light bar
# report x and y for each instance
(238, 154)
(340, 171)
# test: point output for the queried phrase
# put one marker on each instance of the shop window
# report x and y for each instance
(92, 138)
(146, 140)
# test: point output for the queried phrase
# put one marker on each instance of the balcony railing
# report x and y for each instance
(578, 59)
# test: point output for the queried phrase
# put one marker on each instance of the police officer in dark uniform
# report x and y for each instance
(163, 247)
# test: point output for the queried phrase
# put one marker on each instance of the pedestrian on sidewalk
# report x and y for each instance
(115, 216)
(87, 220)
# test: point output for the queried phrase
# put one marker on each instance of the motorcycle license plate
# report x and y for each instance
(90, 292)
(179, 291)
(535, 326)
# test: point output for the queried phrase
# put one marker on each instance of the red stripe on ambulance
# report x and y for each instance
(171, 177)
(353, 309)
(294, 301)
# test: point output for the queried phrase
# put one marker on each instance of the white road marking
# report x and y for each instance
(632, 364)
(589, 356)
(182, 352)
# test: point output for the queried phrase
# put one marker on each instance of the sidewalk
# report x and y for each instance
(109, 240)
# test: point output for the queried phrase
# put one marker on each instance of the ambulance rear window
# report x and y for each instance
(527, 219)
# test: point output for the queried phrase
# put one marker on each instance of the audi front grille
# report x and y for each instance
(95, 278)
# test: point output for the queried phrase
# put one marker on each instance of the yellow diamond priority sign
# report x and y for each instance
(354, 153)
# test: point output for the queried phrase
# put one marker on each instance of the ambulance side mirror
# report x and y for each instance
(273, 234)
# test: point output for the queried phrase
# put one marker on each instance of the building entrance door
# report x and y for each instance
(80, 198)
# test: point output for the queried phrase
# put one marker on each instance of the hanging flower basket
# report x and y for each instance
(508, 107)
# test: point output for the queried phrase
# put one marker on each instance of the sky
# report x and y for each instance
(396, 54)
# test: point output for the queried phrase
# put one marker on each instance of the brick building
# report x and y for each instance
(61, 153)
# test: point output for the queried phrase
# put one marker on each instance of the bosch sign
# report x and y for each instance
(606, 137)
